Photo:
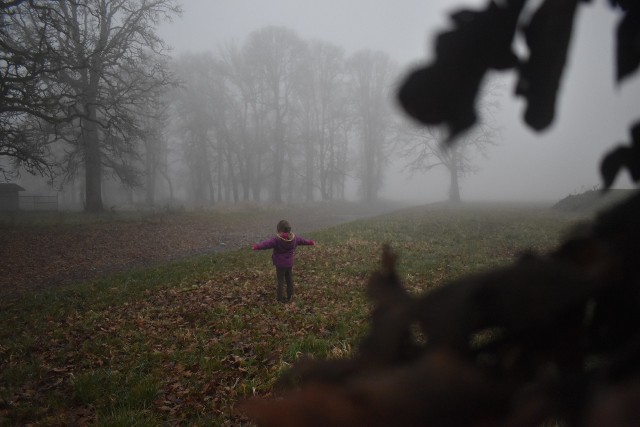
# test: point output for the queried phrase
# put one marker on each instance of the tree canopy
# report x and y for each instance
(78, 72)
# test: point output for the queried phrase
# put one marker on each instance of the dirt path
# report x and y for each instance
(37, 257)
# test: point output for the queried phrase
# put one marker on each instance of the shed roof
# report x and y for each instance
(10, 188)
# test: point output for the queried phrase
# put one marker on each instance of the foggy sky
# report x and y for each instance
(593, 113)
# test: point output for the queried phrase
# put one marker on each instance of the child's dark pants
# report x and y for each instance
(284, 274)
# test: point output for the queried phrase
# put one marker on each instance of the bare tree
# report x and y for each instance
(372, 76)
(277, 55)
(30, 101)
(108, 50)
(278, 114)
(425, 148)
(194, 110)
(247, 100)
(307, 127)
(270, 112)
(154, 121)
(323, 99)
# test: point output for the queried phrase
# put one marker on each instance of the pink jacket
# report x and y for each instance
(284, 247)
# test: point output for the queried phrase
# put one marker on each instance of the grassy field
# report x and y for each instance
(182, 343)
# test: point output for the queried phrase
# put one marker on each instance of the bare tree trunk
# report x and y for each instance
(278, 163)
(310, 163)
(169, 183)
(246, 181)
(93, 167)
(212, 191)
(454, 187)
(222, 189)
(369, 184)
(151, 173)
(255, 187)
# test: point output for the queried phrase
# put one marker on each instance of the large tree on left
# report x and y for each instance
(106, 55)
(29, 104)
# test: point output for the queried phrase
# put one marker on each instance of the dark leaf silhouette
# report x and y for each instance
(612, 163)
(623, 157)
(547, 35)
(394, 397)
(445, 91)
(628, 42)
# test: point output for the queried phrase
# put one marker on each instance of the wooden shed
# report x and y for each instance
(9, 197)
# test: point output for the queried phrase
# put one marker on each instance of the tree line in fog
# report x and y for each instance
(282, 119)
(92, 101)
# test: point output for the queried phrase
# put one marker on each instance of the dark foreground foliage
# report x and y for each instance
(553, 337)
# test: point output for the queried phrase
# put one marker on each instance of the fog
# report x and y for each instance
(593, 113)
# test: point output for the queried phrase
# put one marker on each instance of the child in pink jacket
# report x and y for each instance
(284, 246)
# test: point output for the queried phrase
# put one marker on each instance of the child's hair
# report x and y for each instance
(284, 226)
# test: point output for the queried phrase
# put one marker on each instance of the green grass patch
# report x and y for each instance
(182, 343)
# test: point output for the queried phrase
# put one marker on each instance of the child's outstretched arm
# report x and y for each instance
(267, 244)
(302, 241)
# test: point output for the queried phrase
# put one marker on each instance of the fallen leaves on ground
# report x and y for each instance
(195, 349)
(211, 343)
